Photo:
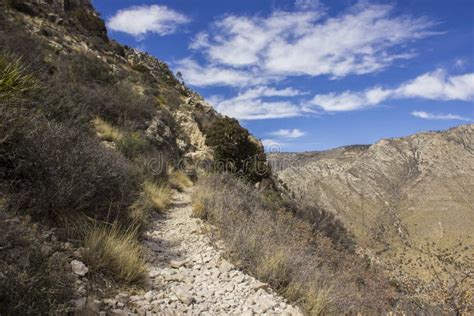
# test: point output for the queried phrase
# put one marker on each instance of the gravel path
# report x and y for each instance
(189, 276)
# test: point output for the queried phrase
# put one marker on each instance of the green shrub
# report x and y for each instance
(132, 145)
(140, 68)
(55, 169)
(235, 151)
(90, 22)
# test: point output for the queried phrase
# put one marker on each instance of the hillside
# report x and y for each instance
(396, 196)
(124, 192)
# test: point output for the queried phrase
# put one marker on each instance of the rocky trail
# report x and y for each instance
(189, 276)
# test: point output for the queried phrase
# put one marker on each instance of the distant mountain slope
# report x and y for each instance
(413, 188)
(396, 195)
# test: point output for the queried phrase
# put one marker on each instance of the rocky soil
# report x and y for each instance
(189, 276)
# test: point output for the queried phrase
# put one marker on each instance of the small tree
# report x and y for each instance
(179, 76)
(236, 151)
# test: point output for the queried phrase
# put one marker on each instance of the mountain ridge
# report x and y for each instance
(396, 196)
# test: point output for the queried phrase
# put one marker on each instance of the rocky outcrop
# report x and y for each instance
(35, 7)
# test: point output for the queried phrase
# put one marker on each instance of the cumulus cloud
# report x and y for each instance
(140, 20)
(437, 116)
(364, 39)
(288, 133)
(436, 85)
(214, 75)
(254, 104)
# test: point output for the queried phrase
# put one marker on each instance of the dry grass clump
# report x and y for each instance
(286, 252)
(106, 131)
(179, 180)
(199, 210)
(158, 195)
(112, 250)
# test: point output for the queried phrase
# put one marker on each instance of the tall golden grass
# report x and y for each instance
(113, 250)
(179, 180)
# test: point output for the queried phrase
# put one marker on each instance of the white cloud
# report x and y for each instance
(252, 104)
(438, 86)
(364, 39)
(212, 75)
(435, 116)
(349, 101)
(288, 133)
(140, 20)
(435, 85)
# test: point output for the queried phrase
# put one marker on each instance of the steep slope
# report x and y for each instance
(396, 196)
(71, 28)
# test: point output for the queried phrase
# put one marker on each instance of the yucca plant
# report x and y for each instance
(15, 81)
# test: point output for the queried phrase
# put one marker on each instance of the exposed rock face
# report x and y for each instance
(33, 6)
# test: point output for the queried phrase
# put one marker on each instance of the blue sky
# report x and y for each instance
(311, 75)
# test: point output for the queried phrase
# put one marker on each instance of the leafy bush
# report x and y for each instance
(132, 145)
(140, 68)
(235, 151)
(90, 22)
(286, 252)
(113, 250)
(325, 222)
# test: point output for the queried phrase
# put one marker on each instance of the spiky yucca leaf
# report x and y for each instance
(15, 81)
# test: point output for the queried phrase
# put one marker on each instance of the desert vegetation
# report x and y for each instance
(82, 119)
(279, 248)
(236, 151)
(54, 115)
